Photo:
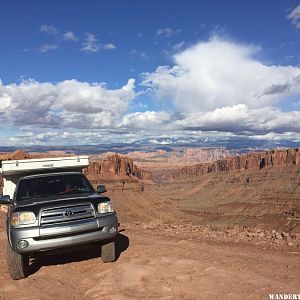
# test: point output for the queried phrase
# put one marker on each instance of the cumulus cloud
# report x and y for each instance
(216, 88)
(146, 120)
(92, 45)
(70, 36)
(103, 119)
(219, 73)
(239, 118)
(294, 16)
(69, 103)
(90, 98)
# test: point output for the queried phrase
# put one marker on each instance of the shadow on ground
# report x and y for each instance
(82, 253)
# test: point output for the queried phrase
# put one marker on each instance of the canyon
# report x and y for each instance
(250, 161)
(115, 167)
(182, 228)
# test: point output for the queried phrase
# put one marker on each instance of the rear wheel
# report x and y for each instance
(108, 252)
(18, 264)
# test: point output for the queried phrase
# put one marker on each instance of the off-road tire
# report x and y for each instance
(108, 252)
(18, 264)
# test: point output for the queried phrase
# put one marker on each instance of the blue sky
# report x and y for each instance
(80, 72)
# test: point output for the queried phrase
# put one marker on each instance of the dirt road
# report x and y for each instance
(156, 265)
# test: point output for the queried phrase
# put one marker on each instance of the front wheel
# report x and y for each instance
(108, 252)
(18, 264)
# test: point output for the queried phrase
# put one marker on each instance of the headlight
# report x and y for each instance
(23, 218)
(105, 207)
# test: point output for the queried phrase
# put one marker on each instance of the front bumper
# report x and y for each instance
(64, 235)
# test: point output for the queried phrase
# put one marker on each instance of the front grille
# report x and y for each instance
(67, 213)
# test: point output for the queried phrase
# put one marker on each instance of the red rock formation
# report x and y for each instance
(19, 154)
(251, 161)
(115, 167)
(200, 155)
(113, 164)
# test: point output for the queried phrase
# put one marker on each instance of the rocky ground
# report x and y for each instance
(224, 235)
(233, 234)
(160, 263)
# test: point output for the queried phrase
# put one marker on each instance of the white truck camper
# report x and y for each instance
(13, 170)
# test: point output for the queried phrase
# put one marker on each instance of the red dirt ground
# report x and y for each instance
(179, 241)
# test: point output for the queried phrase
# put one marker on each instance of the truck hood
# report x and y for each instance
(36, 204)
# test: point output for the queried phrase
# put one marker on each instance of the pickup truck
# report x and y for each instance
(52, 210)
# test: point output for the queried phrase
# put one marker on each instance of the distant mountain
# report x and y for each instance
(235, 144)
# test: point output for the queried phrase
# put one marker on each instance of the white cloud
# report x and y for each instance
(70, 137)
(109, 46)
(294, 16)
(240, 118)
(98, 120)
(91, 44)
(53, 30)
(69, 103)
(145, 120)
(217, 89)
(272, 136)
(49, 29)
(91, 98)
(47, 47)
(167, 32)
(70, 36)
(220, 73)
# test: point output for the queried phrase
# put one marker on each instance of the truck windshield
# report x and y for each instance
(55, 185)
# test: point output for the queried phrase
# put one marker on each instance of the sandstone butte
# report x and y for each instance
(115, 167)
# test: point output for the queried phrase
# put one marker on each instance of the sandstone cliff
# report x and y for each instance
(200, 155)
(251, 161)
(163, 159)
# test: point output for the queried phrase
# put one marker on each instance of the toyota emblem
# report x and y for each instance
(68, 213)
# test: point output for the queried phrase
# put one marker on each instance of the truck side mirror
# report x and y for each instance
(5, 200)
(101, 189)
